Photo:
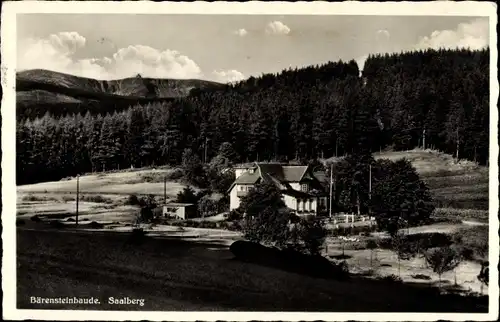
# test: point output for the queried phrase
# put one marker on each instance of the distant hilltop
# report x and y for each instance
(39, 91)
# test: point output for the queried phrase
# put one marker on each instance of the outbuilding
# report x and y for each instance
(179, 210)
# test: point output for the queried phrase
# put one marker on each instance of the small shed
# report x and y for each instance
(179, 210)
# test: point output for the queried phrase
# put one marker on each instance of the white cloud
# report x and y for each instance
(473, 35)
(228, 76)
(241, 32)
(383, 35)
(56, 53)
(277, 28)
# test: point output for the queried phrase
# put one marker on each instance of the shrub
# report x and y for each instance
(442, 259)
(36, 218)
(311, 234)
(235, 214)
(473, 242)
(95, 198)
(391, 278)
(483, 275)
(96, 225)
(68, 198)
(175, 174)
(20, 222)
(133, 200)
(31, 197)
(421, 277)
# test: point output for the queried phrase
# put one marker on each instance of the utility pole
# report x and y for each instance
(370, 192)
(423, 139)
(331, 187)
(206, 147)
(165, 190)
(77, 195)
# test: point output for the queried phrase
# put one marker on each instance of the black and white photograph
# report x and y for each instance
(314, 160)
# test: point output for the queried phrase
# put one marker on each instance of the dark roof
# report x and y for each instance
(294, 173)
(248, 178)
(321, 176)
(272, 169)
(273, 172)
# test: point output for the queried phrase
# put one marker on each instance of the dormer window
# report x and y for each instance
(304, 187)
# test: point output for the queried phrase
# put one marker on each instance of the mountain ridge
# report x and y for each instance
(64, 93)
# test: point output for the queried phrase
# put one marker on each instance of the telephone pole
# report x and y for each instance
(370, 192)
(77, 195)
(206, 147)
(331, 188)
(165, 189)
(423, 139)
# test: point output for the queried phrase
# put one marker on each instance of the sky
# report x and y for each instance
(225, 48)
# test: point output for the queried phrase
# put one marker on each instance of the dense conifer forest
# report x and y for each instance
(437, 99)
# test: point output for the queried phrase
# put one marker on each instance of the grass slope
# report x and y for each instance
(40, 90)
(177, 275)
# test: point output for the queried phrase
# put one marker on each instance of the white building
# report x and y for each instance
(300, 188)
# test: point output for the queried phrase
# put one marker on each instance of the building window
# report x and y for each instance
(311, 204)
(304, 187)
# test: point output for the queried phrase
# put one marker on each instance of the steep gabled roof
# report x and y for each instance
(294, 173)
(276, 173)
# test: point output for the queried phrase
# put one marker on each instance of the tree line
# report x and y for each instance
(434, 99)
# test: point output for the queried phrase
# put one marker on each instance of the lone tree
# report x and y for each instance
(372, 246)
(442, 260)
(483, 276)
(399, 196)
(403, 249)
(187, 195)
(147, 205)
(312, 233)
(193, 169)
(266, 216)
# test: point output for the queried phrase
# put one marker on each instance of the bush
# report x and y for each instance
(442, 259)
(36, 218)
(133, 200)
(473, 241)
(235, 214)
(96, 225)
(289, 260)
(32, 197)
(391, 278)
(95, 198)
(175, 174)
(421, 277)
(68, 198)
(20, 222)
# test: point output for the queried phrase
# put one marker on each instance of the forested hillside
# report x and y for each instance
(318, 111)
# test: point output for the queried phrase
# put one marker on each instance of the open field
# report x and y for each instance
(178, 275)
(114, 183)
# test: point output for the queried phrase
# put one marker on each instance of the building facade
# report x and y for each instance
(179, 210)
(301, 190)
